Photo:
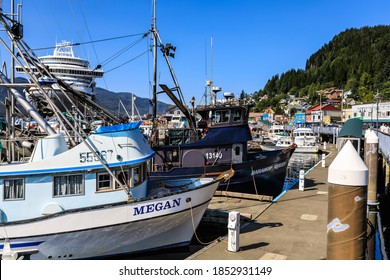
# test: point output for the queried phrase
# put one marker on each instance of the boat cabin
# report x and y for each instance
(223, 136)
(222, 116)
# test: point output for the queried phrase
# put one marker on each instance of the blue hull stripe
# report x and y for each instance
(77, 168)
(20, 245)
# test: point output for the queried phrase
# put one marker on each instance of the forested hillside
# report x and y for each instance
(356, 60)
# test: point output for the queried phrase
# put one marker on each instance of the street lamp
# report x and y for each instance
(320, 109)
(377, 97)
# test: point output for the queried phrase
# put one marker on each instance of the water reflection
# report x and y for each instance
(299, 161)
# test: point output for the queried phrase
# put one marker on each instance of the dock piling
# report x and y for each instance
(347, 206)
(371, 160)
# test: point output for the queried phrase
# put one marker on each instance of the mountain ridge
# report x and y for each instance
(109, 100)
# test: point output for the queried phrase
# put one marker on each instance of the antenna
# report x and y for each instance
(212, 97)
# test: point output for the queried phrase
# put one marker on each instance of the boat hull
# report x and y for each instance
(112, 230)
(307, 149)
(263, 173)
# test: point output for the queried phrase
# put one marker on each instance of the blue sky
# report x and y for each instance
(252, 39)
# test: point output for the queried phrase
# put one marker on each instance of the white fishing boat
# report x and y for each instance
(284, 141)
(306, 140)
(276, 132)
(94, 200)
(83, 195)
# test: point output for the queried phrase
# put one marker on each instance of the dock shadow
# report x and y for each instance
(309, 185)
(253, 226)
(254, 246)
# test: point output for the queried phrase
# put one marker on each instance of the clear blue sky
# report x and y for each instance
(252, 39)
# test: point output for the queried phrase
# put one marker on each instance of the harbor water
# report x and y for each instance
(299, 161)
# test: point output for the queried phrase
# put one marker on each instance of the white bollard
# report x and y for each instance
(323, 160)
(234, 231)
(324, 145)
(347, 206)
(301, 180)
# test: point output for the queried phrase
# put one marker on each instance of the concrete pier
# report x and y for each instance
(292, 228)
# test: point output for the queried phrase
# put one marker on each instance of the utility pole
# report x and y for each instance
(320, 108)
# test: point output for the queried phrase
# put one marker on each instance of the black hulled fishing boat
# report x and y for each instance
(215, 140)
(222, 134)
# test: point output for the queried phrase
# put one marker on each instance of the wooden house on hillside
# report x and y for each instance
(323, 113)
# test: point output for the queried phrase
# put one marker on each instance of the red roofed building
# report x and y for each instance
(324, 113)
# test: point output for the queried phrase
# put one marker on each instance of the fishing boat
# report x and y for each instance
(303, 137)
(85, 195)
(214, 140)
(221, 142)
(306, 140)
(95, 201)
(276, 132)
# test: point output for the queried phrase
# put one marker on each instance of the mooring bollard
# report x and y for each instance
(234, 231)
(346, 230)
(301, 180)
(323, 160)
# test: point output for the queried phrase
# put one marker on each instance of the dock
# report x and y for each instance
(291, 228)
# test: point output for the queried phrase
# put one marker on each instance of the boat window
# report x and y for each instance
(221, 116)
(140, 173)
(123, 177)
(237, 150)
(237, 115)
(66, 185)
(103, 181)
(172, 156)
(13, 189)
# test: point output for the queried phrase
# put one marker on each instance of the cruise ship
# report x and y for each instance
(73, 70)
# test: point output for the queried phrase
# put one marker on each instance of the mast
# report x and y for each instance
(11, 149)
(154, 31)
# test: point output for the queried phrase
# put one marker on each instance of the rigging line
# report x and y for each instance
(38, 12)
(89, 33)
(122, 51)
(76, 26)
(127, 61)
(94, 41)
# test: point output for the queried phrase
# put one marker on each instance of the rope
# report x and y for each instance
(228, 183)
(254, 181)
(193, 227)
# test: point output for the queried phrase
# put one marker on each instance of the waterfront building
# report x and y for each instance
(373, 112)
